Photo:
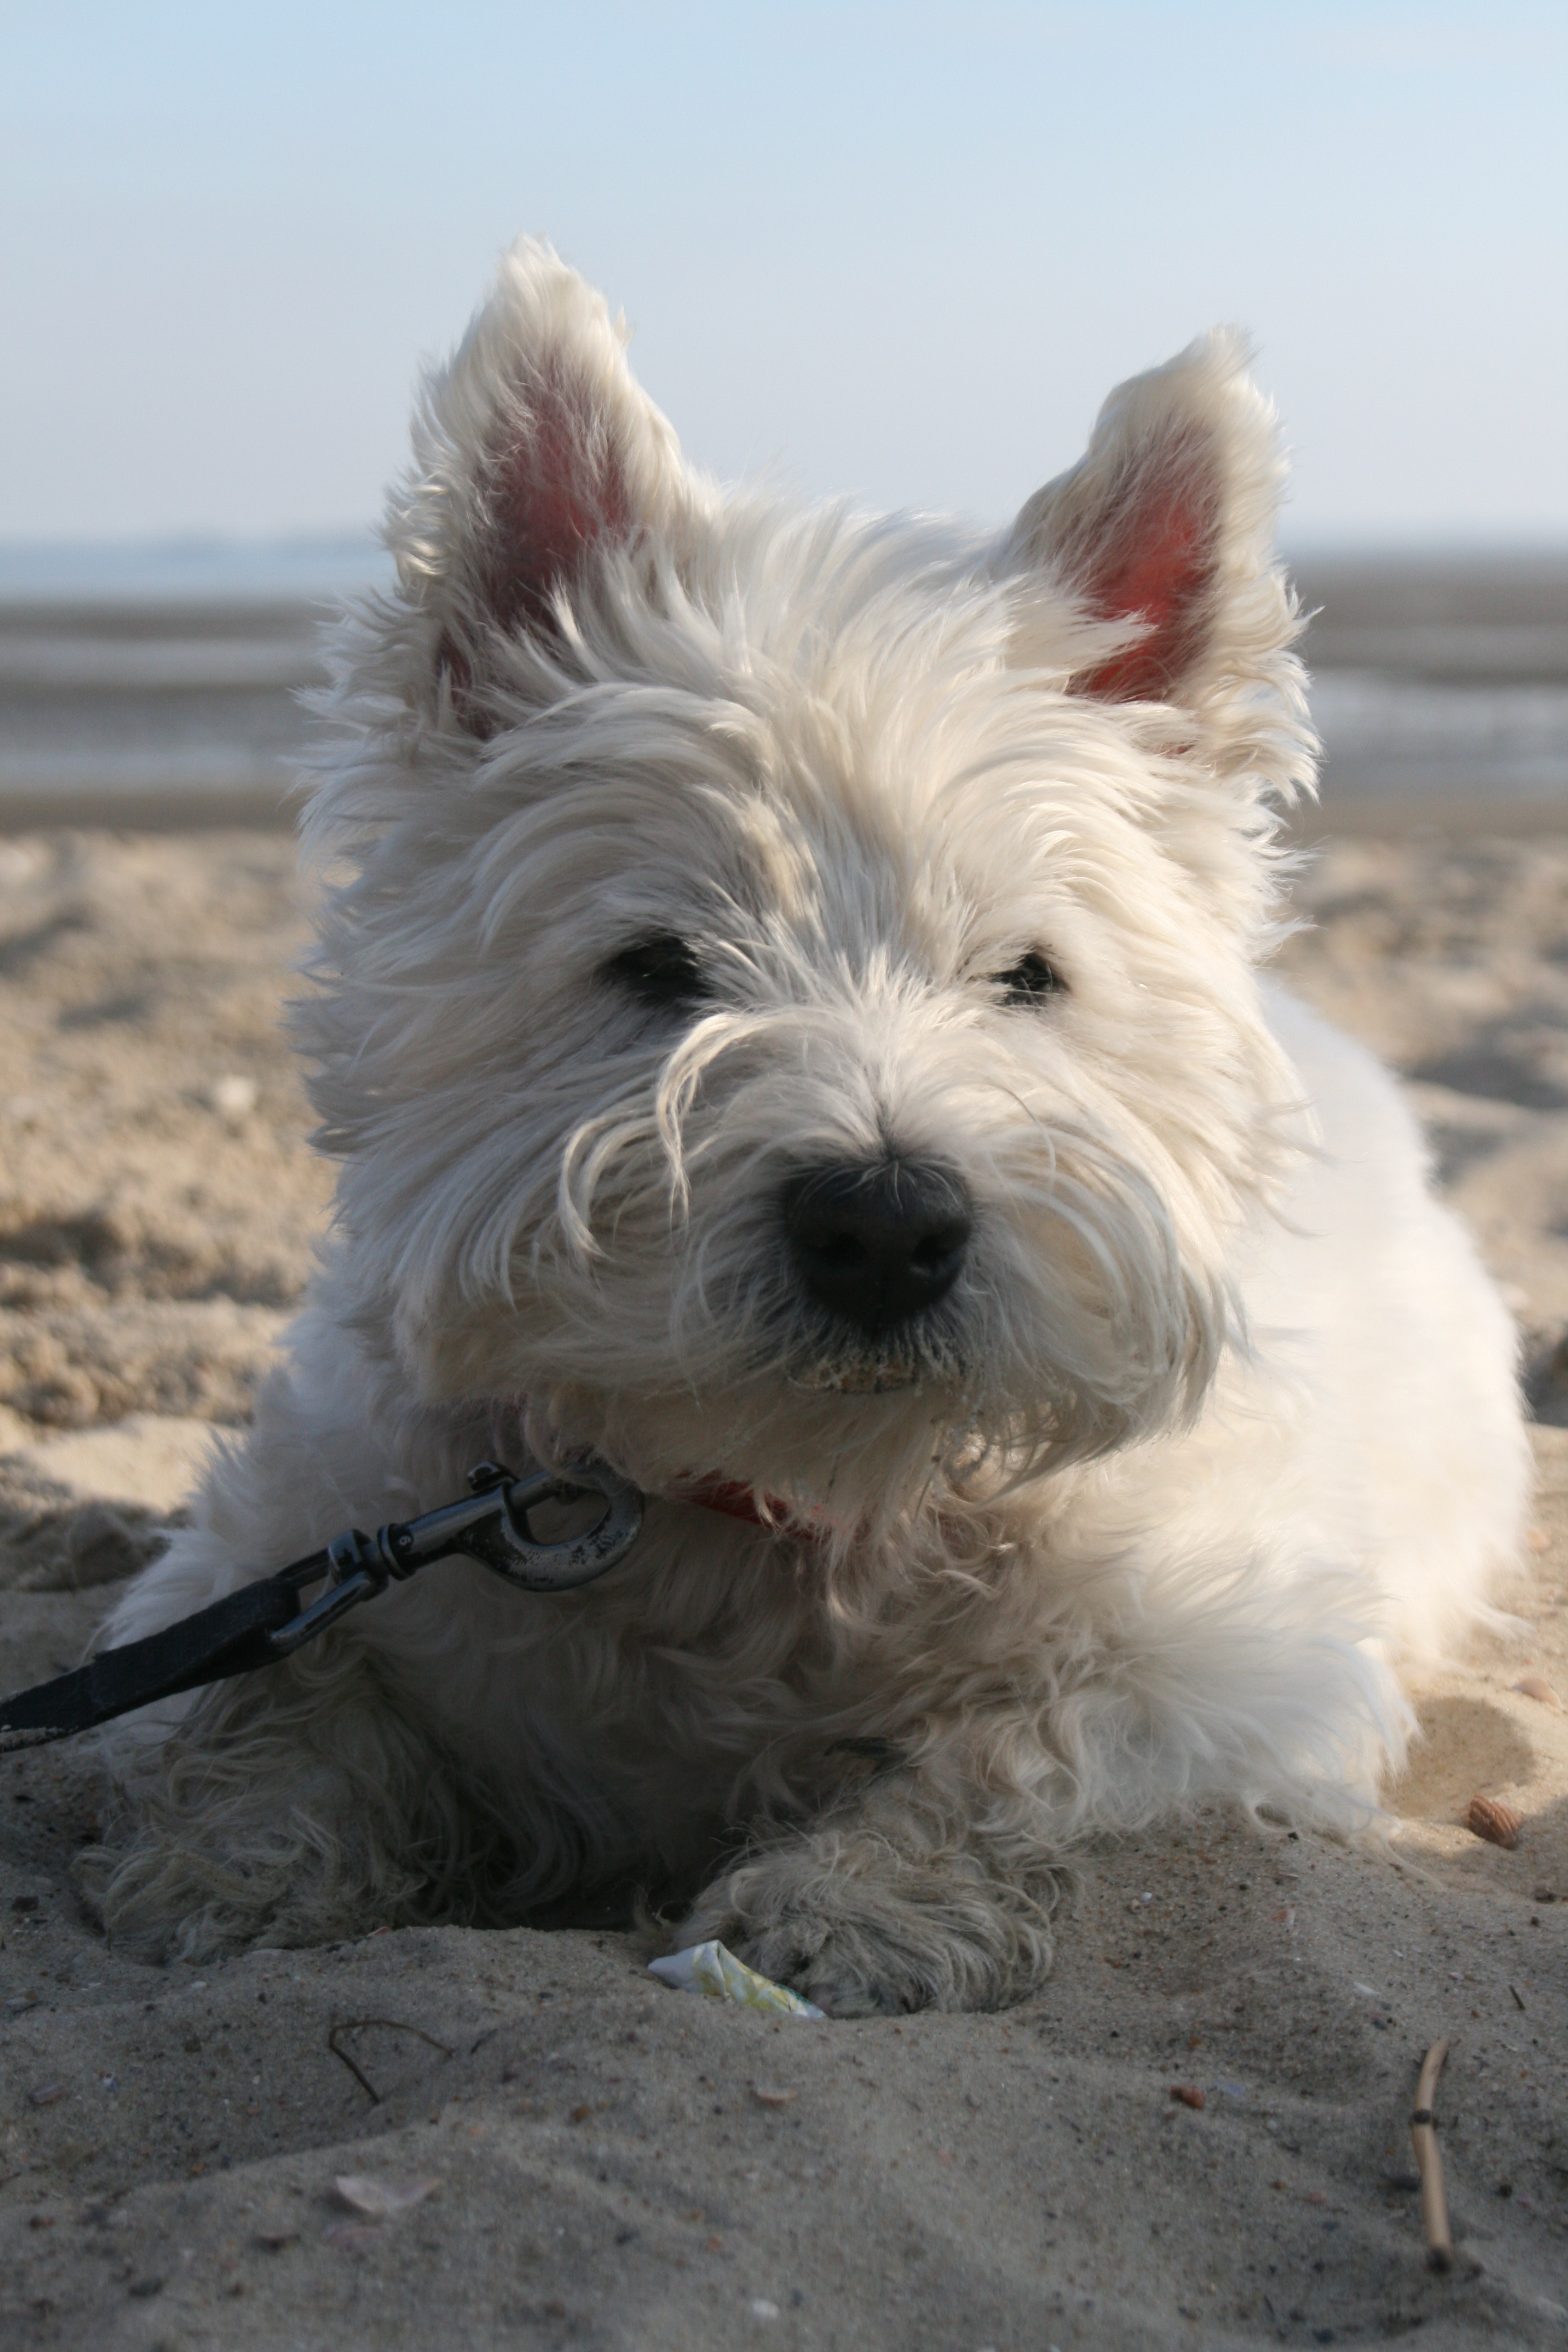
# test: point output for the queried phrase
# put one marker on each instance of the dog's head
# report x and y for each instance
(787, 1006)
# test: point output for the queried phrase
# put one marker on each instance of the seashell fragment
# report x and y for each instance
(233, 1098)
(1532, 1686)
(382, 2201)
(1189, 2095)
(1497, 1823)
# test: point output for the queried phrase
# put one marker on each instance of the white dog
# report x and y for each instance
(787, 1012)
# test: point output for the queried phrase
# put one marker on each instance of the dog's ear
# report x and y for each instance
(534, 452)
(1161, 540)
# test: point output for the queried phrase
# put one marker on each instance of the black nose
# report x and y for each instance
(878, 1244)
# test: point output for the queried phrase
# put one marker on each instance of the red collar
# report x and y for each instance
(740, 1502)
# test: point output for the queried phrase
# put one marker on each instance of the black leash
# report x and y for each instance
(264, 1622)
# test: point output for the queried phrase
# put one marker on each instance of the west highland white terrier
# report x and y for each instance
(788, 1013)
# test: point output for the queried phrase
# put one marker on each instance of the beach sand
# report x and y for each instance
(590, 2159)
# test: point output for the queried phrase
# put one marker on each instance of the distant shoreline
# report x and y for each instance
(1392, 816)
(308, 564)
(161, 689)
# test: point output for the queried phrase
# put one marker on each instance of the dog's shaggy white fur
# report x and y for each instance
(787, 1012)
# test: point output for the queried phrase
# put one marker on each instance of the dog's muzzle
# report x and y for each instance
(877, 1243)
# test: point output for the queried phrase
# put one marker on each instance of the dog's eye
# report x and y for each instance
(661, 972)
(1032, 977)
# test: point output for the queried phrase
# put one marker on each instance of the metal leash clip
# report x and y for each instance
(491, 1526)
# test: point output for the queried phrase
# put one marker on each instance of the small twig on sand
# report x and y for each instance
(392, 2025)
(355, 2069)
(1429, 2164)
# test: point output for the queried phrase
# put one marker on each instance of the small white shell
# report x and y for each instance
(233, 1098)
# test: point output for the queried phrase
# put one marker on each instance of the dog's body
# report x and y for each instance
(788, 1014)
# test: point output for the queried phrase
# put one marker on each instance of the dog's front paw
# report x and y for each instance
(865, 1931)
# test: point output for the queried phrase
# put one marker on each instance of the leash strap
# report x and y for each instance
(264, 1622)
(231, 1637)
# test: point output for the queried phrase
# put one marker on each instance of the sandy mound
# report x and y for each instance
(157, 1209)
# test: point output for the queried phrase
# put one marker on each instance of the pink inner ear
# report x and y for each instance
(556, 489)
(1154, 559)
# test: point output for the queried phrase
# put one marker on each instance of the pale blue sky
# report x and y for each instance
(901, 251)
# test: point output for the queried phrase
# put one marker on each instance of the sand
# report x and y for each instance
(579, 2156)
